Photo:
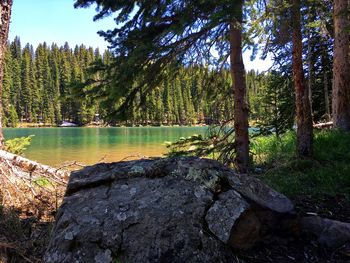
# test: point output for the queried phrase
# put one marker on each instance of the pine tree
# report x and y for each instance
(16, 90)
(12, 119)
(167, 102)
(65, 79)
(54, 63)
(5, 16)
(341, 76)
(6, 87)
(35, 96)
(303, 110)
(188, 105)
(276, 105)
(143, 49)
(26, 85)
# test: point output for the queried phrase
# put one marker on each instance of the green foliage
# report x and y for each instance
(12, 119)
(217, 144)
(18, 145)
(44, 86)
(38, 85)
(43, 182)
(272, 150)
(154, 39)
(327, 173)
(275, 111)
(195, 145)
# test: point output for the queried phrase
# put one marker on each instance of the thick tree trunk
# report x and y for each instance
(303, 110)
(5, 13)
(240, 94)
(341, 66)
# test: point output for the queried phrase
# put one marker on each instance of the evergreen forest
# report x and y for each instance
(267, 178)
(41, 88)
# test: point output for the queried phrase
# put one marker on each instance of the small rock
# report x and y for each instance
(229, 206)
(252, 188)
(104, 257)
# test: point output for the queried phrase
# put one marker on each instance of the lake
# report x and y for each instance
(54, 146)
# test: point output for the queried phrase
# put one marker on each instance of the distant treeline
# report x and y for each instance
(43, 86)
(37, 84)
(40, 86)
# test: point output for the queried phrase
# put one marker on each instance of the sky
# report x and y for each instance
(36, 21)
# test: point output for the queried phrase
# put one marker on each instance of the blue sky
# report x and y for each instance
(36, 21)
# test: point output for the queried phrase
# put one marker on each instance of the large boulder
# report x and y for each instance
(330, 233)
(163, 210)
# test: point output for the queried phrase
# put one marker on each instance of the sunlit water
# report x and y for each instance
(54, 146)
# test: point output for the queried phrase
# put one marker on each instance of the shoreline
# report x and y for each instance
(25, 126)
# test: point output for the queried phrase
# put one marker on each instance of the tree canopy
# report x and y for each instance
(151, 35)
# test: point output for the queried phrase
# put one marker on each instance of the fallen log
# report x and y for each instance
(31, 166)
(324, 125)
(30, 187)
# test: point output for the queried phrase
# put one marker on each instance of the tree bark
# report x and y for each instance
(240, 93)
(325, 84)
(5, 15)
(311, 78)
(341, 66)
(311, 59)
(26, 165)
(303, 109)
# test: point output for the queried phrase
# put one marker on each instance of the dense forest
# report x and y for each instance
(37, 84)
(41, 87)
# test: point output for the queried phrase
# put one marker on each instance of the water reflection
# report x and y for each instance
(88, 145)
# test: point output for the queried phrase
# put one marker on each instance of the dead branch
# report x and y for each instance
(71, 164)
(31, 166)
(138, 156)
(102, 159)
(30, 187)
(324, 125)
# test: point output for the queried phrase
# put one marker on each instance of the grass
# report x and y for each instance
(44, 182)
(327, 172)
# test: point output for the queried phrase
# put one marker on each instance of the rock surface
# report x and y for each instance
(330, 233)
(164, 210)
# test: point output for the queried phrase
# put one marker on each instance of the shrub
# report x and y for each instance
(18, 145)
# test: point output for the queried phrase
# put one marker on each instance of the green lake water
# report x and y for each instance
(54, 146)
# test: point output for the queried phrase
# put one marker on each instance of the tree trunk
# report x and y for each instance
(311, 62)
(341, 67)
(240, 93)
(325, 83)
(26, 165)
(303, 110)
(311, 78)
(5, 13)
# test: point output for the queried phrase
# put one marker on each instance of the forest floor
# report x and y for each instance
(26, 238)
(320, 185)
(304, 248)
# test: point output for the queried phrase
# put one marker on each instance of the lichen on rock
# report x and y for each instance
(164, 210)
